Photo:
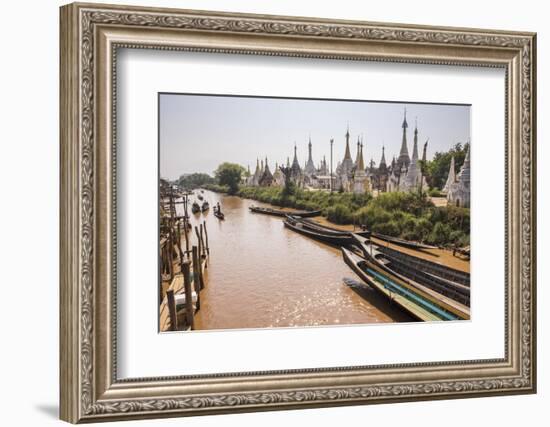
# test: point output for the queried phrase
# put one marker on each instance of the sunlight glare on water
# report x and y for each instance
(262, 275)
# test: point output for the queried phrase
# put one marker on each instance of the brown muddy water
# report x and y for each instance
(262, 275)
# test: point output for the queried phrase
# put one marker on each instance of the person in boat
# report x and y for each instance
(218, 207)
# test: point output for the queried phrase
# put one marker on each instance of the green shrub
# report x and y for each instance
(339, 214)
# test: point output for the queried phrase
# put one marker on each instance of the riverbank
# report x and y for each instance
(410, 216)
(438, 255)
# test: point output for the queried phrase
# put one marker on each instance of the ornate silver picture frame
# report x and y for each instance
(91, 36)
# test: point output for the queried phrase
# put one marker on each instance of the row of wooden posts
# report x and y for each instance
(190, 258)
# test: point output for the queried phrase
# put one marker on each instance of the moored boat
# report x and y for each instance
(205, 206)
(416, 302)
(315, 226)
(410, 272)
(195, 208)
(427, 266)
(402, 242)
(331, 239)
(279, 212)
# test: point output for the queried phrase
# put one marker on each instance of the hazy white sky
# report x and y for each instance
(198, 132)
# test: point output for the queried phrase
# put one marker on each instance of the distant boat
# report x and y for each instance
(199, 196)
(218, 213)
(205, 206)
(195, 208)
(278, 212)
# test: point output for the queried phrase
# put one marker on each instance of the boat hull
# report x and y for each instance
(281, 213)
(325, 238)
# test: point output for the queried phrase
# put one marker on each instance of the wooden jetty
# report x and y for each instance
(283, 213)
(416, 301)
(181, 271)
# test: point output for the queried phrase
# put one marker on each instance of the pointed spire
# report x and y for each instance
(451, 178)
(358, 150)
(415, 145)
(404, 159)
(424, 150)
(296, 169)
(360, 163)
(383, 159)
(347, 155)
(464, 175)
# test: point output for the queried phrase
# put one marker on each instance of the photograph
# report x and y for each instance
(287, 212)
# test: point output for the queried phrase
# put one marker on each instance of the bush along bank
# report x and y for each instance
(410, 216)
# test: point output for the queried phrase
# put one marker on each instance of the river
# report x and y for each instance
(262, 275)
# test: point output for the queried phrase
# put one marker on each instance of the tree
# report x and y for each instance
(195, 180)
(229, 174)
(437, 170)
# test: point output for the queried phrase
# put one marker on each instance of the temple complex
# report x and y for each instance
(404, 173)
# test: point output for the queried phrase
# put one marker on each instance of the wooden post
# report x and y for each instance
(188, 294)
(185, 222)
(199, 240)
(180, 251)
(199, 269)
(202, 242)
(206, 236)
(197, 276)
(170, 250)
(160, 278)
(172, 310)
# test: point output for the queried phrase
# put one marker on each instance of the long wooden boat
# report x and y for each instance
(313, 225)
(402, 242)
(278, 212)
(427, 266)
(195, 208)
(447, 288)
(330, 239)
(418, 303)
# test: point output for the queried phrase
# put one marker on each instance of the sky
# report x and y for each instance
(198, 132)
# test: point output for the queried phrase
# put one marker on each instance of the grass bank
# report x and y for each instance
(410, 216)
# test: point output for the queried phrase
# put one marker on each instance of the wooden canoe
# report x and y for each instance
(281, 213)
(416, 301)
(338, 240)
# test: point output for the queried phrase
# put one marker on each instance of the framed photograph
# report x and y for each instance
(266, 212)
